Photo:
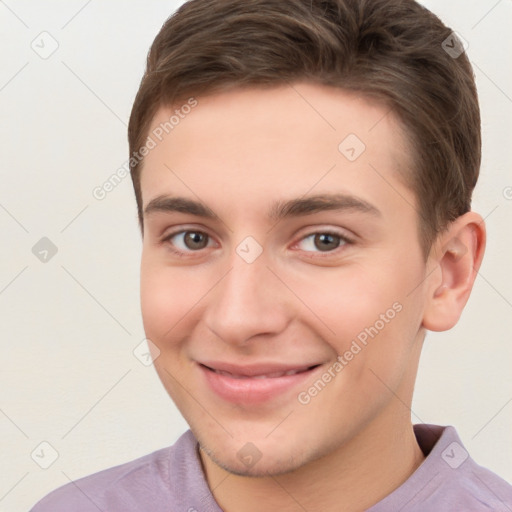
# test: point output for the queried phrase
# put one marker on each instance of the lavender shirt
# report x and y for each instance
(172, 480)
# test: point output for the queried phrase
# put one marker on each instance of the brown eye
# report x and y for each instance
(195, 240)
(189, 241)
(322, 242)
(326, 242)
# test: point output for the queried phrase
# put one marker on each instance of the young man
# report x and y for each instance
(303, 173)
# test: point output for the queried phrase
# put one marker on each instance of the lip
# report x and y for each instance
(254, 384)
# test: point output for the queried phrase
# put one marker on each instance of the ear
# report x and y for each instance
(458, 253)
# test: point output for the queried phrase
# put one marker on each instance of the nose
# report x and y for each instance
(248, 302)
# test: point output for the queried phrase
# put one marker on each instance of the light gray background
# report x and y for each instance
(69, 325)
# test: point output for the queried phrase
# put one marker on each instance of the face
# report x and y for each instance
(282, 279)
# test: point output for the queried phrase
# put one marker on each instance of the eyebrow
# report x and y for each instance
(280, 210)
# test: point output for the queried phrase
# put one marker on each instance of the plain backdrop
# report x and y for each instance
(70, 321)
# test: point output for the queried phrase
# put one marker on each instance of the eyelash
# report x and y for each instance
(344, 241)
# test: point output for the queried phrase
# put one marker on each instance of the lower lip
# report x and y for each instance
(250, 390)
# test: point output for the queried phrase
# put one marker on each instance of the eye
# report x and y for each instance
(322, 242)
(194, 241)
(187, 241)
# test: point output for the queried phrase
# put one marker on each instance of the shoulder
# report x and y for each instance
(448, 480)
(456, 481)
(124, 487)
(481, 488)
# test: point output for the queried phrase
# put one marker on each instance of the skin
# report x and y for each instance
(238, 153)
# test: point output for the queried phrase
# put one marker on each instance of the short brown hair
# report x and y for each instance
(394, 50)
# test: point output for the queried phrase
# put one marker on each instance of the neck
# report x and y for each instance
(351, 478)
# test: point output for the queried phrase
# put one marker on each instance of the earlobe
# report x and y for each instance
(458, 253)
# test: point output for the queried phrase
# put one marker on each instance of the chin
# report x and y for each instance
(270, 464)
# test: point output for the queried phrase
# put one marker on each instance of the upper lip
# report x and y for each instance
(254, 370)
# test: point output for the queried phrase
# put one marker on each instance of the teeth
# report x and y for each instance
(227, 374)
(266, 376)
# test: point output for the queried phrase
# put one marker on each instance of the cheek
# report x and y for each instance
(346, 301)
(364, 303)
(167, 296)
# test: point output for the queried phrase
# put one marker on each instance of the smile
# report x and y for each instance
(255, 384)
(272, 375)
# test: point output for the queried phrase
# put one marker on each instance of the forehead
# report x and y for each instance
(258, 141)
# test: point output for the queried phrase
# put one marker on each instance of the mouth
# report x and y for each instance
(269, 375)
(255, 384)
